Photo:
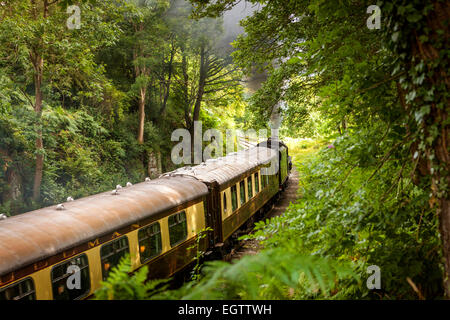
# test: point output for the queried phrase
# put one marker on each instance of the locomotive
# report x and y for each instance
(157, 223)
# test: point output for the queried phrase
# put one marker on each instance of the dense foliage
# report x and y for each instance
(82, 110)
(321, 247)
(122, 285)
(347, 214)
(378, 193)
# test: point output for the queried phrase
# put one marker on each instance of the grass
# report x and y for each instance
(301, 150)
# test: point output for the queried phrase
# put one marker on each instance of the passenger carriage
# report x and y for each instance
(156, 222)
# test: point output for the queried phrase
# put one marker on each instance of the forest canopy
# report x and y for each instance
(85, 108)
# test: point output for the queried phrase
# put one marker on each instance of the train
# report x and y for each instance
(157, 223)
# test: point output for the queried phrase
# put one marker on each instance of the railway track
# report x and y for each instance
(252, 246)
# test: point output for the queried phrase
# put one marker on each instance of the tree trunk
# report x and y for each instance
(38, 66)
(444, 228)
(140, 70)
(168, 82)
(199, 98)
(438, 78)
(14, 182)
(201, 83)
(185, 90)
(442, 154)
(143, 92)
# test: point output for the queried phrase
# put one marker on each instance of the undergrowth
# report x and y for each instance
(352, 213)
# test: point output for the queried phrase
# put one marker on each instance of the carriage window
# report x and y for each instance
(22, 290)
(242, 191)
(111, 254)
(234, 197)
(177, 228)
(150, 244)
(256, 182)
(250, 190)
(263, 182)
(79, 284)
(224, 204)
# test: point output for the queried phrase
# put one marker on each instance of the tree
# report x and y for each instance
(381, 80)
(204, 69)
(417, 33)
(35, 38)
(144, 37)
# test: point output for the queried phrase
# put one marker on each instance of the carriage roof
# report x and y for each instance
(36, 235)
(225, 169)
